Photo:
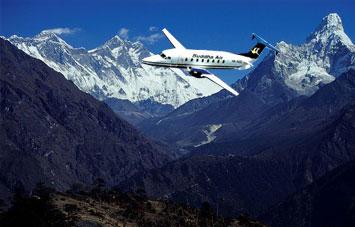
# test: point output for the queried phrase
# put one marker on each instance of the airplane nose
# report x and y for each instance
(150, 59)
(145, 59)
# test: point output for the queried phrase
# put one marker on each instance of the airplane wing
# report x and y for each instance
(179, 72)
(172, 39)
(206, 74)
(219, 82)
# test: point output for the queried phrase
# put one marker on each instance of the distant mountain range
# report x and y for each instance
(52, 132)
(114, 70)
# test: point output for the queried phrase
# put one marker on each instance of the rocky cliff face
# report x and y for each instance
(52, 132)
(114, 70)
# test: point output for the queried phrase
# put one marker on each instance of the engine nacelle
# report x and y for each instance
(195, 72)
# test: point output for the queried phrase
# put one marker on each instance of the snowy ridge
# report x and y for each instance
(114, 70)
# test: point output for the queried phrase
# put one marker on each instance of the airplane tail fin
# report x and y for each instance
(255, 52)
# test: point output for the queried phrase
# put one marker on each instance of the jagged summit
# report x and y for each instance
(331, 22)
(331, 27)
(48, 34)
(116, 40)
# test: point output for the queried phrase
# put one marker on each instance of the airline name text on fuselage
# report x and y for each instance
(206, 56)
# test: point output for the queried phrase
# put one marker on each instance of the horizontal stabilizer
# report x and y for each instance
(263, 41)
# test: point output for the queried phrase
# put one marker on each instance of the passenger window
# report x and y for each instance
(192, 59)
(203, 60)
(213, 60)
(208, 60)
(217, 61)
(197, 60)
(223, 61)
(169, 57)
(185, 59)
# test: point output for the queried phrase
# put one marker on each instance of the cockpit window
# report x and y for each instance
(162, 55)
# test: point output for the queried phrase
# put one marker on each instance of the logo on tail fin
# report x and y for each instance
(255, 50)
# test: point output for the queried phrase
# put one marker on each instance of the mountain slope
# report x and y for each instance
(52, 132)
(328, 201)
(233, 184)
(193, 128)
(299, 117)
(102, 207)
(307, 133)
(291, 146)
(114, 70)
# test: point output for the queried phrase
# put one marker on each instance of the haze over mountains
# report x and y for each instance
(285, 144)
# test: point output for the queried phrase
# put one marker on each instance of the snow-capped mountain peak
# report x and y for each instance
(330, 30)
(49, 36)
(114, 69)
(46, 34)
(302, 69)
(115, 41)
(332, 22)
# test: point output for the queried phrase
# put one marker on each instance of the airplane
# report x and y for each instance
(196, 62)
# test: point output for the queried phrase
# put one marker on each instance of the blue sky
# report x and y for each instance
(208, 24)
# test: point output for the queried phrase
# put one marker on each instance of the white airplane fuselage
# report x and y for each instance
(196, 62)
(207, 59)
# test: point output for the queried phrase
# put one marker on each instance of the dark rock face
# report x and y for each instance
(328, 201)
(52, 132)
